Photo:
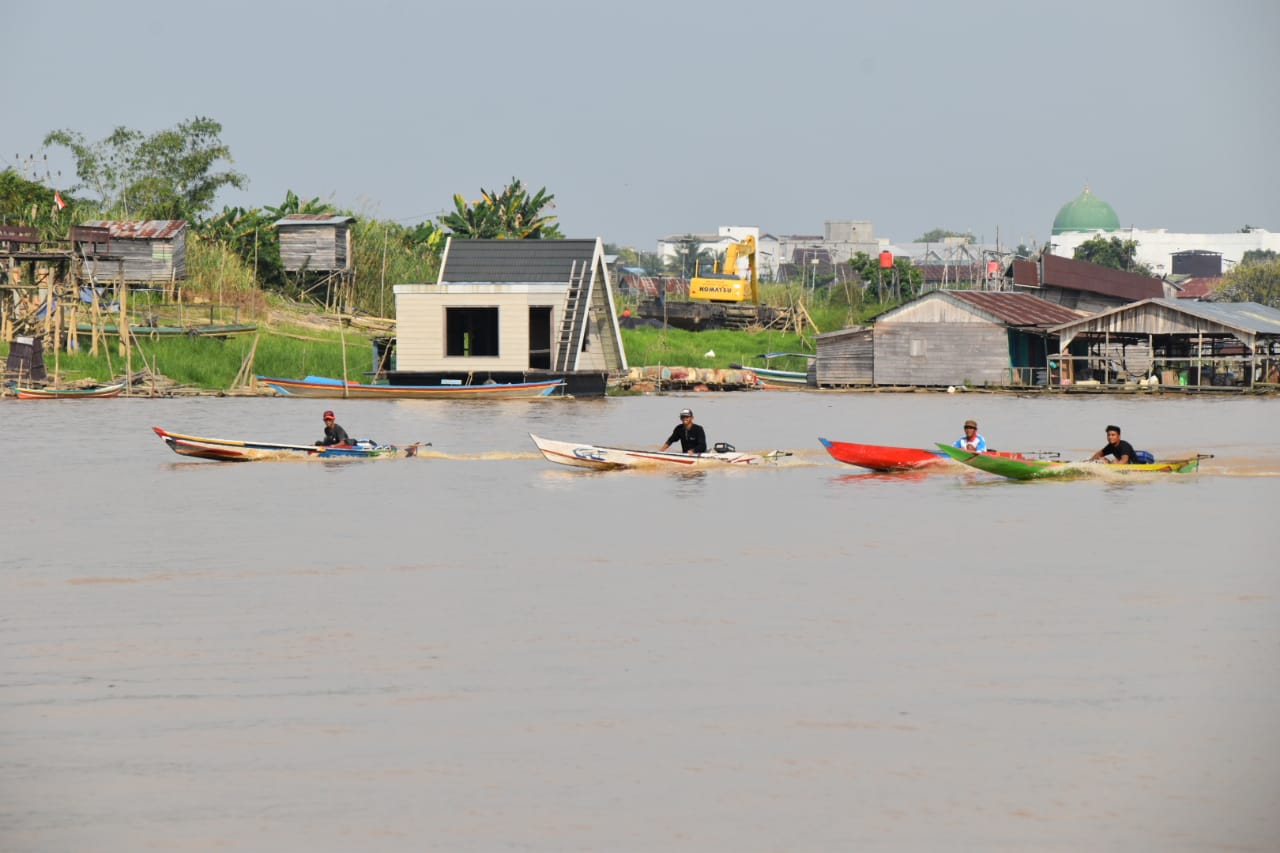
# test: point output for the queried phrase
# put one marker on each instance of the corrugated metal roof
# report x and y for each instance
(153, 229)
(1082, 275)
(1244, 316)
(313, 219)
(1017, 309)
(1248, 318)
(1197, 287)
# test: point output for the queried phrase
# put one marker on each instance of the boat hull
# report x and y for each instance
(321, 387)
(891, 459)
(1039, 469)
(230, 450)
(69, 393)
(600, 458)
(880, 458)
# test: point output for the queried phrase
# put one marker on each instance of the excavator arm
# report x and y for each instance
(725, 285)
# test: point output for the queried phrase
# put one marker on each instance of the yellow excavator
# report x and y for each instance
(723, 284)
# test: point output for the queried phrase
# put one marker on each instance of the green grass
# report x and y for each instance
(296, 351)
(210, 363)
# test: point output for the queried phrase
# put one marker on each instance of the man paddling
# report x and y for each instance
(692, 438)
(333, 434)
(1117, 450)
(971, 440)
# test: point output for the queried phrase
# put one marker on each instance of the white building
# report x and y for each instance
(1088, 216)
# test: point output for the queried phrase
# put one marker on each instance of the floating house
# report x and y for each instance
(966, 337)
(1175, 342)
(511, 311)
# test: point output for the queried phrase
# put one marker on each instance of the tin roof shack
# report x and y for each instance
(511, 311)
(967, 337)
(318, 242)
(1193, 344)
(151, 251)
(845, 357)
(1081, 285)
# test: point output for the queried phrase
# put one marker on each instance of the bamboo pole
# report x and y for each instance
(343, 330)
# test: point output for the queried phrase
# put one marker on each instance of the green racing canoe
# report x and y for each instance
(1036, 469)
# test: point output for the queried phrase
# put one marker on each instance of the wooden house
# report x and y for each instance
(967, 337)
(845, 358)
(1174, 342)
(511, 311)
(150, 252)
(315, 242)
(1081, 285)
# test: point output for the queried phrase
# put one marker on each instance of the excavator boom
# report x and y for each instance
(725, 285)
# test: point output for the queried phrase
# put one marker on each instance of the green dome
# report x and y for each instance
(1086, 212)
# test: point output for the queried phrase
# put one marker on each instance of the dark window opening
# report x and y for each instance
(471, 332)
(539, 338)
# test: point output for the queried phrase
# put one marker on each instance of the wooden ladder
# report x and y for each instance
(573, 322)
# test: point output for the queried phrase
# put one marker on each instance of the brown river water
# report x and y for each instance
(477, 650)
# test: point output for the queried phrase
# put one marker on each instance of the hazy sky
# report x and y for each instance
(655, 118)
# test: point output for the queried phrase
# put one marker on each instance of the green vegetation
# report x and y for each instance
(1115, 253)
(1256, 281)
(937, 235)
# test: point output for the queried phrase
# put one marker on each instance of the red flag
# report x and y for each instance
(57, 199)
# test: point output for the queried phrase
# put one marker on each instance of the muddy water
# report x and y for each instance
(476, 650)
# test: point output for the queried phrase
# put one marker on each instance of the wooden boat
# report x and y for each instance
(228, 450)
(224, 330)
(880, 458)
(603, 458)
(321, 386)
(1035, 469)
(771, 378)
(69, 393)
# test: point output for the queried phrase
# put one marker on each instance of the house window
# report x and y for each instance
(471, 332)
(918, 347)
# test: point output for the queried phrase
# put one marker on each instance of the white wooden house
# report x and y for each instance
(511, 311)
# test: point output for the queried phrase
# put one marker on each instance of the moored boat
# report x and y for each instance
(231, 450)
(881, 458)
(69, 393)
(324, 387)
(603, 458)
(1036, 469)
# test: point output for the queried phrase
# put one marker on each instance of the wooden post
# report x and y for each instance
(342, 328)
(126, 347)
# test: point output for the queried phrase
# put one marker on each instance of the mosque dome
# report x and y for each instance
(1086, 212)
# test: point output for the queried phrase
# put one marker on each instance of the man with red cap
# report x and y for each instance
(333, 434)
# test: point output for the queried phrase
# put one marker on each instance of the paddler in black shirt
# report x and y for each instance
(333, 434)
(692, 438)
(1117, 448)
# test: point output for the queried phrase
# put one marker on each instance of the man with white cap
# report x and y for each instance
(691, 436)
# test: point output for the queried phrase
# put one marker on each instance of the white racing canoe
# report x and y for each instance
(602, 458)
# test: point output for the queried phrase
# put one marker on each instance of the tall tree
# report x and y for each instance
(170, 174)
(1115, 253)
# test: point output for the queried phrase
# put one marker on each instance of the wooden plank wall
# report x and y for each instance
(845, 360)
(318, 248)
(150, 259)
(929, 354)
